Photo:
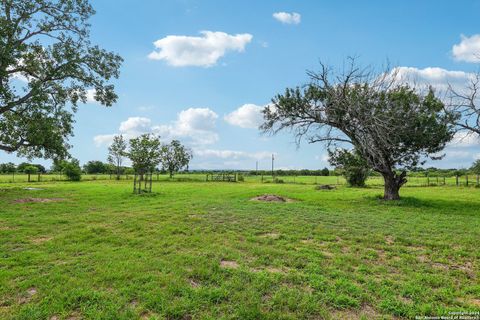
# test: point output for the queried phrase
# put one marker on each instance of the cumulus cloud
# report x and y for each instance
(246, 116)
(203, 51)
(465, 139)
(288, 18)
(468, 49)
(194, 126)
(232, 155)
(197, 124)
(135, 125)
(103, 139)
(436, 77)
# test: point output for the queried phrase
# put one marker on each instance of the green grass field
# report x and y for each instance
(196, 250)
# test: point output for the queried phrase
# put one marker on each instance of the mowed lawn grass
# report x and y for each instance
(206, 251)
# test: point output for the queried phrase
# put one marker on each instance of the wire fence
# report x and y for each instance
(413, 181)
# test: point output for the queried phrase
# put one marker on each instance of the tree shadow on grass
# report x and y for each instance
(461, 207)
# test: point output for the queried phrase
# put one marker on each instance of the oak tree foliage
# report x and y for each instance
(48, 66)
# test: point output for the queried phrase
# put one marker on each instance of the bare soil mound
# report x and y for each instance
(271, 198)
(30, 200)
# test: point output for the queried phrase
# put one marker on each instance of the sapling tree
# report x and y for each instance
(353, 167)
(72, 169)
(117, 152)
(145, 154)
(47, 67)
(174, 157)
(392, 126)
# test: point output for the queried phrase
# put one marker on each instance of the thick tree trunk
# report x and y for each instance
(393, 183)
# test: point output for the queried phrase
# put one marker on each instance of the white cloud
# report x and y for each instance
(246, 116)
(91, 96)
(436, 77)
(196, 124)
(204, 51)
(136, 125)
(193, 126)
(288, 18)
(103, 139)
(465, 139)
(232, 155)
(322, 158)
(468, 49)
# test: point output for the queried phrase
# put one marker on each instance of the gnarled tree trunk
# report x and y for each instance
(393, 183)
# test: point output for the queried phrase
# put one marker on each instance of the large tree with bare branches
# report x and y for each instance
(466, 101)
(47, 66)
(390, 124)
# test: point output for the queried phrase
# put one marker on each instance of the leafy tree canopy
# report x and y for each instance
(175, 156)
(47, 67)
(145, 153)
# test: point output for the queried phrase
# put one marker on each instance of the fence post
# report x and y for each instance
(262, 178)
(466, 180)
(443, 180)
(456, 180)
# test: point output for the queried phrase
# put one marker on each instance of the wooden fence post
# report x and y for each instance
(456, 180)
(466, 180)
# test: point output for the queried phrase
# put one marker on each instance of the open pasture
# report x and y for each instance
(191, 250)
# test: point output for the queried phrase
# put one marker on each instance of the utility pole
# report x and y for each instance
(273, 159)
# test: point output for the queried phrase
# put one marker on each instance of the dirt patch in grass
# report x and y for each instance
(40, 200)
(278, 270)
(271, 235)
(389, 240)
(228, 264)
(41, 240)
(366, 312)
(474, 302)
(271, 198)
(193, 283)
(75, 316)
(28, 296)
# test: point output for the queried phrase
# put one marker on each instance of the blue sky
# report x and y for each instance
(200, 71)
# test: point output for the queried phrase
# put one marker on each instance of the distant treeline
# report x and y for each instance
(99, 167)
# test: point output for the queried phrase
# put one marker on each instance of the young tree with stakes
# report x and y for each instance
(392, 126)
(116, 153)
(175, 156)
(145, 154)
(47, 67)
